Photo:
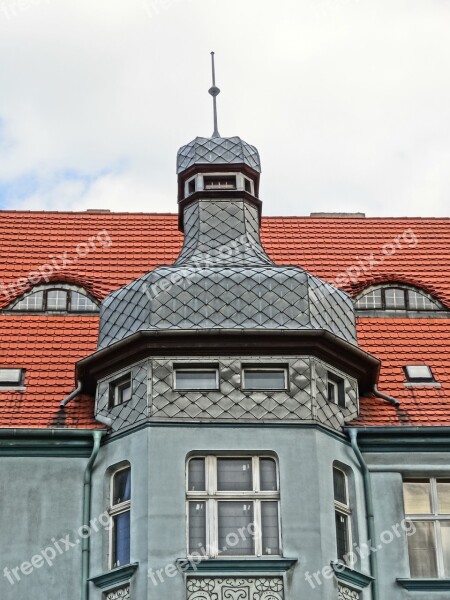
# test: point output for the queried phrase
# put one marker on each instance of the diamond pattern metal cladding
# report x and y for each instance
(218, 150)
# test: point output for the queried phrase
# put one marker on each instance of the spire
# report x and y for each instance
(214, 91)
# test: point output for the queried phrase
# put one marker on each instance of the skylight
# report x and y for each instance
(11, 378)
(419, 373)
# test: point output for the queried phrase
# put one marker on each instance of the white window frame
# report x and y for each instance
(212, 496)
(267, 368)
(115, 387)
(345, 510)
(195, 369)
(114, 510)
(434, 517)
(332, 376)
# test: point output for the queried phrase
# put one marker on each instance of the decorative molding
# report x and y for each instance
(122, 593)
(121, 575)
(267, 588)
(345, 593)
(236, 566)
(349, 576)
(425, 585)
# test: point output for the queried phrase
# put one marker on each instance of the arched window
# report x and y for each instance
(396, 297)
(55, 298)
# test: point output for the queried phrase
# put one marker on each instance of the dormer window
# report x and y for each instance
(62, 298)
(396, 297)
(219, 182)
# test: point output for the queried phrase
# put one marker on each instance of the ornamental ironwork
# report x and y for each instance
(122, 593)
(232, 588)
(345, 593)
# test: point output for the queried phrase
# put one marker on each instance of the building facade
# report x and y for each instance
(194, 417)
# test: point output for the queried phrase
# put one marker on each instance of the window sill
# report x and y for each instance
(220, 566)
(425, 585)
(115, 577)
(354, 578)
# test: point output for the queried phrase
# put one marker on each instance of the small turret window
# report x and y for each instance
(397, 297)
(219, 182)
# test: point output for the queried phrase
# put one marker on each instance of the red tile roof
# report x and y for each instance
(414, 251)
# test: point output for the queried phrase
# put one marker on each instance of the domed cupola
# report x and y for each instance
(223, 278)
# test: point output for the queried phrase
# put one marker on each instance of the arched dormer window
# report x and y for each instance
(55, 298)
(396, 297)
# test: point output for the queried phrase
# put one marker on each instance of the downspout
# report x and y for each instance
(72, 395)
(390, 399)
(87, 492)
(353, 433)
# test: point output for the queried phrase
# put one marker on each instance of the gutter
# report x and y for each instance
(87, 493)
(373, 560)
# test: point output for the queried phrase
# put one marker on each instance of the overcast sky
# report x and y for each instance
(348, 101)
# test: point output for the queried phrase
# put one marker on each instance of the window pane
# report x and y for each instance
(340, 486)
(32, 302)
(57, 300)
(195, 380)
(124, 392)
(196, 479)
(342, 540)
(419, 373)
(268, 475)
(332, 392)
(370, 300)
(122, 486)
(394, 298)
(422, 550)
(417, 497)
(197, 527)
(236, 528)
(418, 301)
(234, 474)
(121, 547)
(81, 303)
(445, 535)
(443, 490)
(11, 376)
(269, 526)
(265, 380)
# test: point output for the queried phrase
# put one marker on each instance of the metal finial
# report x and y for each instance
(214, 91)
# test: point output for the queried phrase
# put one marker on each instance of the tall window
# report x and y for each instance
(342, 514)
(119, 511)
(427, 506)
(233, 506)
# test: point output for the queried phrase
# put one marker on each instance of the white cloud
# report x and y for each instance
(348, 101)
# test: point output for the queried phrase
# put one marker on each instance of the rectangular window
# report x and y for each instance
(342, 513)
(233, 506)
(264, 378)
(219, 182)
(57, 300)
(12, 378)
(427, 507)
(120, 390)
(394, 298)
(336, 389)
(119, 511)
(194, 379)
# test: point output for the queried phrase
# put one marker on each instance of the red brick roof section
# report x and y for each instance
(103, 251)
